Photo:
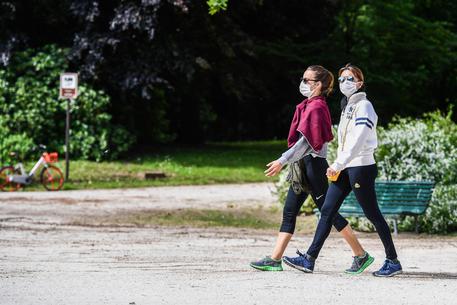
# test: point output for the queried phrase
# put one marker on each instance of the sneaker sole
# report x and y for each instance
(266, 268)
(305, 270)
(364, 266)
(388, 275)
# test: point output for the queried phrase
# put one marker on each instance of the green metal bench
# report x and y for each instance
(395, 198)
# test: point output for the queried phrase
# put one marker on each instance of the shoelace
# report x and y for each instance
(299, 253)
(386, 265)
(355, 263)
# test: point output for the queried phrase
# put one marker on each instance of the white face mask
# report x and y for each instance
(348, 88)
(305, 89)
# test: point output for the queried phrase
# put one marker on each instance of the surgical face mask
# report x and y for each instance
(348, 88)
(305, 89)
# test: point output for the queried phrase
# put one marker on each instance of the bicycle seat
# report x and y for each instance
(40, 148)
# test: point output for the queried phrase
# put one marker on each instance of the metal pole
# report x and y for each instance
(67, 142)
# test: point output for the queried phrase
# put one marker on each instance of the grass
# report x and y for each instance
(205, 218)
(234, 162)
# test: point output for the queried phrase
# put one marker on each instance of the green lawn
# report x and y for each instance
(233, 162)
(253, 218)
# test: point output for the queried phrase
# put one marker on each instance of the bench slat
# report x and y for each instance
(395, 197)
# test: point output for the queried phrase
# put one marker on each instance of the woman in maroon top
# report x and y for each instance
(310, 132)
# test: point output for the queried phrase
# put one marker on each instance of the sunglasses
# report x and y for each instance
(342, 79)
(306, 80)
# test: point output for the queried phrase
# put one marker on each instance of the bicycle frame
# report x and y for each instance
(25, 178)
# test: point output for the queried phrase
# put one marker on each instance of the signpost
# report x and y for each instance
(69, 91)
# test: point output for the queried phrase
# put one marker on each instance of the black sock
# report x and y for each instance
(310, 258)
(364, 255)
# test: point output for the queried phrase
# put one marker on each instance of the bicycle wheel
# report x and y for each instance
(5, 185)
(52, 178)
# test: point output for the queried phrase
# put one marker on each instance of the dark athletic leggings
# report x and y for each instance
(316, 169)
(359, 179)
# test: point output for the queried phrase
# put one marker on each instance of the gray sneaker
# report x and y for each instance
(267, 264)
(360, 263)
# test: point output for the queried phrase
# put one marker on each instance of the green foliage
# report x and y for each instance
(171, 69)
(441, 216)
(419, 149)
(215, 6)
(10, 142)
(31, 111)
(406, 57)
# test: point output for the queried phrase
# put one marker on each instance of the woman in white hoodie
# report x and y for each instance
(353, 170)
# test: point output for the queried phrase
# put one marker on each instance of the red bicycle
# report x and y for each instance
(13, 177)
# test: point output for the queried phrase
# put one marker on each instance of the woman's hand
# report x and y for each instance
(274, 167)
(331, 172)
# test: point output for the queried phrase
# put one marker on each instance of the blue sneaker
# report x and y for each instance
(390, 268)
(302, 262)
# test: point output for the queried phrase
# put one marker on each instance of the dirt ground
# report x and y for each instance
(46, 259)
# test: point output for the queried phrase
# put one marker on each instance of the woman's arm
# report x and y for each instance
(296, 152)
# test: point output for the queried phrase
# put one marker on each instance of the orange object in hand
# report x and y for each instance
(334, 177)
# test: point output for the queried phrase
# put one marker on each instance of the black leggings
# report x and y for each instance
(361, 180)
(316, 169)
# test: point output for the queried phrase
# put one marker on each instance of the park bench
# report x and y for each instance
(395, 199)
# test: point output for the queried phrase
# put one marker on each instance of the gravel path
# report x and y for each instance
(43, 260)
(62, 207)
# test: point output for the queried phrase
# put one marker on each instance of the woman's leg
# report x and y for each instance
(281, 244)
(316, 174)
(353, 242)
(291, 209)
(362, 179)
(336, 193)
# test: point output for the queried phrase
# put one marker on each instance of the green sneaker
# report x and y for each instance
(360, 263)
(267, 264)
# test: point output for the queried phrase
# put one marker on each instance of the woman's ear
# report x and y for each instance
(359, 85)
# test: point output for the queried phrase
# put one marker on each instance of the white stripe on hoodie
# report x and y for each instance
(357, 137)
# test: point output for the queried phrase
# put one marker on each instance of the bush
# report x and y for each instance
(32, 114)
(441, 216)
(419, 149)
(9, 142)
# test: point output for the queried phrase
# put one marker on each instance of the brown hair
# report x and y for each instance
(355, 70)
(325, 77)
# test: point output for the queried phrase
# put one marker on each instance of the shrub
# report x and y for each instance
(9, 142)
(30, 108)
(441, 216)
(419, 149)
